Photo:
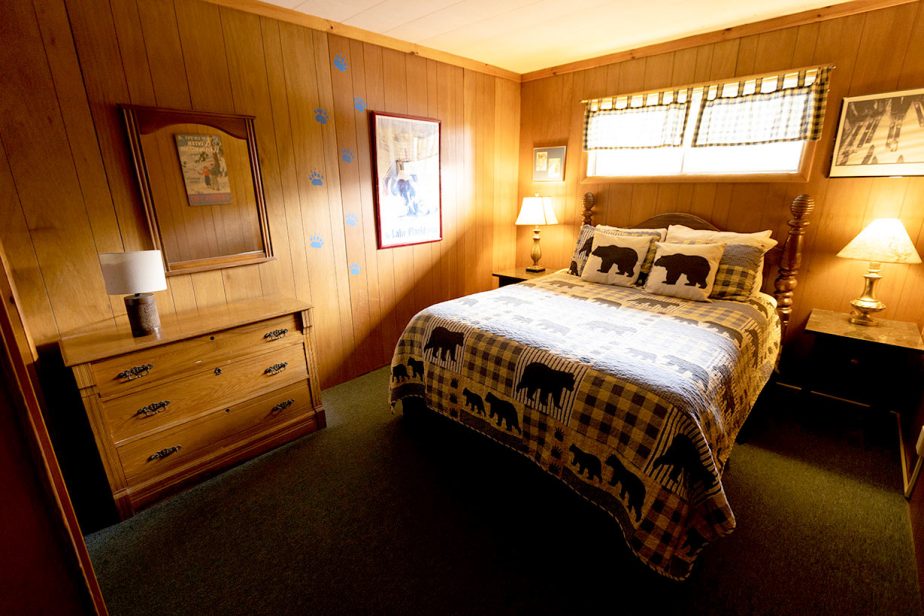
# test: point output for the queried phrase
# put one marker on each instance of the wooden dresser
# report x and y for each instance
(218, 385)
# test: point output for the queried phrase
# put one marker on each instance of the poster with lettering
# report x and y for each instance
(406, 164)
(205, 171)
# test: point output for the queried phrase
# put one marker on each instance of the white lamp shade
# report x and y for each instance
(882, 241)
(537, 211)
(140, 271)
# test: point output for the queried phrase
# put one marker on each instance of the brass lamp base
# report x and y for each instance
(536, 253)
(867, 304)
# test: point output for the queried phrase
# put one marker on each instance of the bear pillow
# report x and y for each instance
(616, 259)
(685, 270)
(585, 245)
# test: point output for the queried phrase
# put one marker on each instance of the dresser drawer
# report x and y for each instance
(166, 450)
(215, 385)
(126, 373)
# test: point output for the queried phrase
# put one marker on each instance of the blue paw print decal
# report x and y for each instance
(340, 63)
(317, 241)
(320, 115)
(359, 103)
(355, 269)
(316, 178)
(352, 220)
(347, 155)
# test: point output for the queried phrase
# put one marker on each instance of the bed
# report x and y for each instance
(631, 398)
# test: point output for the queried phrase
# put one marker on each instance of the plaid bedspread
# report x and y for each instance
(631, 399)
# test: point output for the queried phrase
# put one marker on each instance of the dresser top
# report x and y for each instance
(891, 333)
(114, 337)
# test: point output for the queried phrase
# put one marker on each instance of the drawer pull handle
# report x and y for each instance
(217, 371)
(152, 409)
(282, 406)
(163, 453)
(135, 372)
(276, 334)
(276, 368)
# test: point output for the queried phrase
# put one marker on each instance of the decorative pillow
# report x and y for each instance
(685, 270)
(616, 259)
(740, 271)
(679, 233)
(585, 244)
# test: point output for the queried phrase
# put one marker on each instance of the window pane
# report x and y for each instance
(761, 158)
(654, 162)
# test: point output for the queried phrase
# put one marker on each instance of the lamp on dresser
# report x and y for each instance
(138, 274)
(884, 240)
(536, 211)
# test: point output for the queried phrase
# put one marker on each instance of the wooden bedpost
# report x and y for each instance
(786, 280)
(589, 201)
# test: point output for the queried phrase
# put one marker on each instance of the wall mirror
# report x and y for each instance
(199, 176)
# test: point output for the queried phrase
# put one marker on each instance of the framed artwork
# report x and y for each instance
(200, 181)
(406, 172)
(549, 164)
(880, 135)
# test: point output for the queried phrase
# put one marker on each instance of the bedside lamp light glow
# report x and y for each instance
(536, 211)
(137, 274)
(884, 240)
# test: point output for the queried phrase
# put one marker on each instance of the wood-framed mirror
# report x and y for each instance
(199, 175)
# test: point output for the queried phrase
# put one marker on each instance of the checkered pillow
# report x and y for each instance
(585, 244)
(738, 272)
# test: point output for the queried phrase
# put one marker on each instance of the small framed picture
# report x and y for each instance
(880, 135)
(549, 164)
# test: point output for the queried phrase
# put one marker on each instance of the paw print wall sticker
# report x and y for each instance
(316, 178)
(347, 155)
(320, 115)
(316, 241)
(359, 103)
(340, 63)
(352, 220)
(355, 269)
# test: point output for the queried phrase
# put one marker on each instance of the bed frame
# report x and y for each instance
(787, 255)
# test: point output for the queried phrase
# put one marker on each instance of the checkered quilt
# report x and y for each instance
(631, 399)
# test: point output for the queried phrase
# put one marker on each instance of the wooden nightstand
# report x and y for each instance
(520, 274)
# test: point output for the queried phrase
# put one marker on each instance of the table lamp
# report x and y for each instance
(138, 273)
(882, 241)
(536, 211)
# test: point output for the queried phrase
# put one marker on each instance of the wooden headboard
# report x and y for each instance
(787, 255)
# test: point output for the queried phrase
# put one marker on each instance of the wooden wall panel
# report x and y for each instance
(67, 187)
(876, 51)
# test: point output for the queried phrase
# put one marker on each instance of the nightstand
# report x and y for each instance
(872, 365)
(520, 274)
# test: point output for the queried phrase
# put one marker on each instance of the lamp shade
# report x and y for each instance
(140, 271)
(537, 211)
(882, 241)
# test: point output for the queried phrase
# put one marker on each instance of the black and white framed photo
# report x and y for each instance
(880, 135)
(406, 171)
(549, 164)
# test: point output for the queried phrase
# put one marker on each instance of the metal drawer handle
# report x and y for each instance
(163, 453)
(282, 406)
(152, 409)
(135, 372)
(276, 334)
(276, 368)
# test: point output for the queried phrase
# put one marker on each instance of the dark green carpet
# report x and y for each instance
(381, 515)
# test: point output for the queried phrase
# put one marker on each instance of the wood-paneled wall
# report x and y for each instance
(877, 51)
(67, 190)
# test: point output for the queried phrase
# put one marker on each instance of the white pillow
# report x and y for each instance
(616, 259)
(685, 270)
(662, 232)
(678, 233)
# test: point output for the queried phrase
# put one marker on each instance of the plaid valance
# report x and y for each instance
(769, 109)
(654, 120)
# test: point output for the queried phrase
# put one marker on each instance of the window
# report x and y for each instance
(750, 126)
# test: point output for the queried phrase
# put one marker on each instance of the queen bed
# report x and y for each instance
(632, 398)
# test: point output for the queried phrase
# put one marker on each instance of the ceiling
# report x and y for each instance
(528, 35)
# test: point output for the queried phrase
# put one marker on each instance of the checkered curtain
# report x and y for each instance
(654, 120)
(744, 114)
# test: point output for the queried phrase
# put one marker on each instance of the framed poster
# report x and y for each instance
(549, 164)
(406, 172)
(880, 135)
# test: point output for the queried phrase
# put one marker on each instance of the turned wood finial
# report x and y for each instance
(787, 280)
(589, 201)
